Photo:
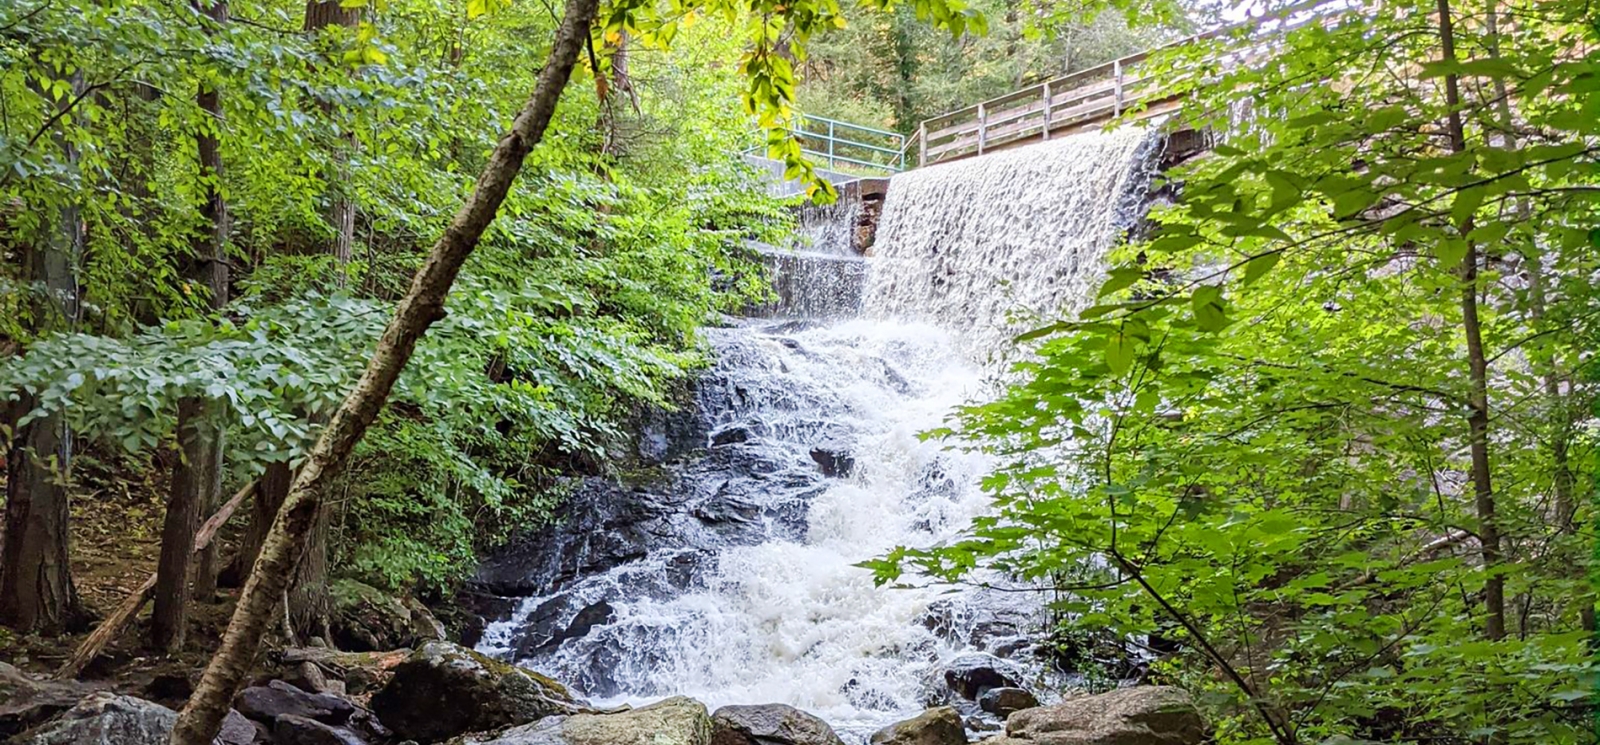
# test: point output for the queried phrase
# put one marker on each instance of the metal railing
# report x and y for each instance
(844, 147)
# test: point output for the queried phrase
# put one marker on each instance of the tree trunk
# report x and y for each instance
(190, 483)
(36, 590)
(211, 250)
(423, 304)
(309, 603)
(1494, 585)
(321, 14)
(263, 509)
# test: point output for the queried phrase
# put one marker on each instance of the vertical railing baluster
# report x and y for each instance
(831, 165)
(1046, 109)
(1116, 70)
(922, 147)
(983, 121)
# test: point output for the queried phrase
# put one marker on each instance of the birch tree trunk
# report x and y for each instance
(423, 305)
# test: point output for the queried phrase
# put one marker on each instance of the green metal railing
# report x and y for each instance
(845, 147)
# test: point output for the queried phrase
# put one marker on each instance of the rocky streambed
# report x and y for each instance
(445, 693)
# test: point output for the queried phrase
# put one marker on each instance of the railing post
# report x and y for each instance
(1116, 70)
(983, 121)
(922, 145)
(830, 145)
(1047, 109)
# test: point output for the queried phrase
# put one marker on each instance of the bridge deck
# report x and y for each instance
(1079, 101)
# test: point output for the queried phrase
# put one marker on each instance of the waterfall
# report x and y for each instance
(985, 246)
(731, 575)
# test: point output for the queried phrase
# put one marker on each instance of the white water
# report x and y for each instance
(985, 246)
(788, 617)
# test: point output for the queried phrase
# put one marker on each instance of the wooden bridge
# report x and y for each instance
(1087, 99)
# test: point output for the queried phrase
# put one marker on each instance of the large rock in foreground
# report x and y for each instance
(674, 721)
(25, 702)
(106, 719)
(443, 690)
(1142, 715)
(769, 724)
(941, 726)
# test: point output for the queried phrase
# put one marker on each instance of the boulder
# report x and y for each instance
(237, 730)
(355, 672)
(105, 719)
(969, 675)
(366, 619)
(941, 726)
(293, 730)
(1001, 702)
(25, 702)
(674, 721)
(1141, 715)
(267, 703)
(443, 690)
(769, 724)
(833, 463)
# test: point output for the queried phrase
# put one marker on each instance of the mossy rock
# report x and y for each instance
(366, 619)
(443, 690)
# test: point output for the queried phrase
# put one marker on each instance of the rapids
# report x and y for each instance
(733, 577)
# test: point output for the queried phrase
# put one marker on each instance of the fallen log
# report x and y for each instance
(130, 606)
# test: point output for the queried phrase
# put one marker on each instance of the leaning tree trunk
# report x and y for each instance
(36, 590)
(423, 304)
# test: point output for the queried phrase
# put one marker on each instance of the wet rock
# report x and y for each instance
(1146, 715)
(105, 719)
(25, 702)
(969, 675)
(1001, 702)
(366, 619)
(769, 724)
(592, 615)
(443, 690)
(292, 730)
(834, 463)
(941, 726)
(472, 612)
(669, 434)
(601, 525)
(674, 721)
(277, 698)
(731, 436)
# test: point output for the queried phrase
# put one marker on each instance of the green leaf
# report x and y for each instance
(1258, 267)
(1450, 251)
(1120, 350)
(1121, 278)
(1210, 311)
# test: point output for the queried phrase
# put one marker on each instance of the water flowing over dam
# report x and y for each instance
(728, 572)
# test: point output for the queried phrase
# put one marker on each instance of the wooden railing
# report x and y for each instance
(1081, 99)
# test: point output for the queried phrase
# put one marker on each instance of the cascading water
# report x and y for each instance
(986, 245)
(730, 575)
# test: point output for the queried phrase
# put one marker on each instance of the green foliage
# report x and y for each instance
(583, 302)
(890, 71)
(1257, 441)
